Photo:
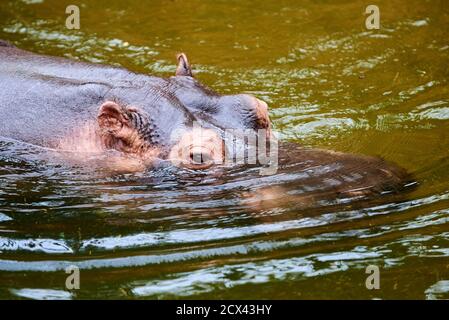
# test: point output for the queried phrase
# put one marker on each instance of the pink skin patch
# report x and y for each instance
(84, 140)
(85, 145)
(266, 198)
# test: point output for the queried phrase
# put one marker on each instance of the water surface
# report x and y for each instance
(330, 83)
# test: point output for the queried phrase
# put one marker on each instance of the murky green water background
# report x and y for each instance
(330, 83)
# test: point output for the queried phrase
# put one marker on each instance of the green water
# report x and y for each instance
(330, 83)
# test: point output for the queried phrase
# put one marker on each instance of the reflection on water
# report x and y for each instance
(42, 294)
(232, 233)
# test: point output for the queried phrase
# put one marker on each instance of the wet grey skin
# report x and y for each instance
(44, 99)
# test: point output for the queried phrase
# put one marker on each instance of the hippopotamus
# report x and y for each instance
(47, 100)
(56, 103)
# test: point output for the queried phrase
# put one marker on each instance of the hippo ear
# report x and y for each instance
(183, 68)
(111, 117)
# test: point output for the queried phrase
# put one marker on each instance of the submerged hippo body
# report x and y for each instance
(44, 100)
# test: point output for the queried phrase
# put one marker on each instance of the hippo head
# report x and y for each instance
(189, 128)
